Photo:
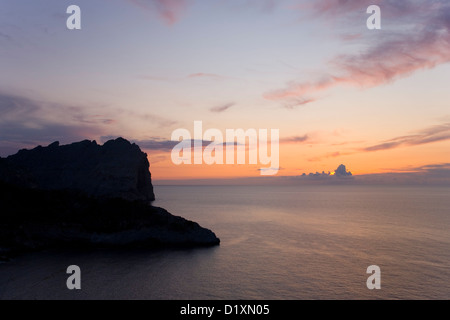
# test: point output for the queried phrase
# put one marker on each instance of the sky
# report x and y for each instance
(374, 100)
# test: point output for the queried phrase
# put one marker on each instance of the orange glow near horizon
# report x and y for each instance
(294, 161)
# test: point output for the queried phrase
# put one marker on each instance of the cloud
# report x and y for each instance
(46, 132)
(161, 122)
(340, 173)
(30, 113)
(428, 168)
(430, 174)
(158, 158)
(432, 134)
(169, 10)
(298, 91)
(295, 102)
(420, 41)
(425, 136)
(270, 169)
(295, 139)
(27, 122)
(436, 172)
(12, 106)
(222, 108)
(164, 145)
(318, 138)
(432, 167)
(93, 119)
(156, 144)
(6, 37)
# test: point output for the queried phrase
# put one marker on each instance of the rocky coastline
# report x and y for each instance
(86, 195)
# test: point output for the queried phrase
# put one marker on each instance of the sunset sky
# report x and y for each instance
(374, 100)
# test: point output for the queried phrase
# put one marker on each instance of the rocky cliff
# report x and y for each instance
(116, 169)
(84, 194)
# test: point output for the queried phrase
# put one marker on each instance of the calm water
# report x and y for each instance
(277, 243)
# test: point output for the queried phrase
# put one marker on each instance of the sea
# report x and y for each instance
(277, 243)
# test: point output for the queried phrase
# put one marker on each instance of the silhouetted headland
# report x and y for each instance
(85, 194)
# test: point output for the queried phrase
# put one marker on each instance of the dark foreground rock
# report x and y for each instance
(40, 219)
(116, 169)
(78, 196)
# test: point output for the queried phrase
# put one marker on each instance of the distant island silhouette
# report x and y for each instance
(85, 194)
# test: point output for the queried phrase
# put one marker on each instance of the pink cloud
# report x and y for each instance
(299, 90)
(169, 10)
(395, 55)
